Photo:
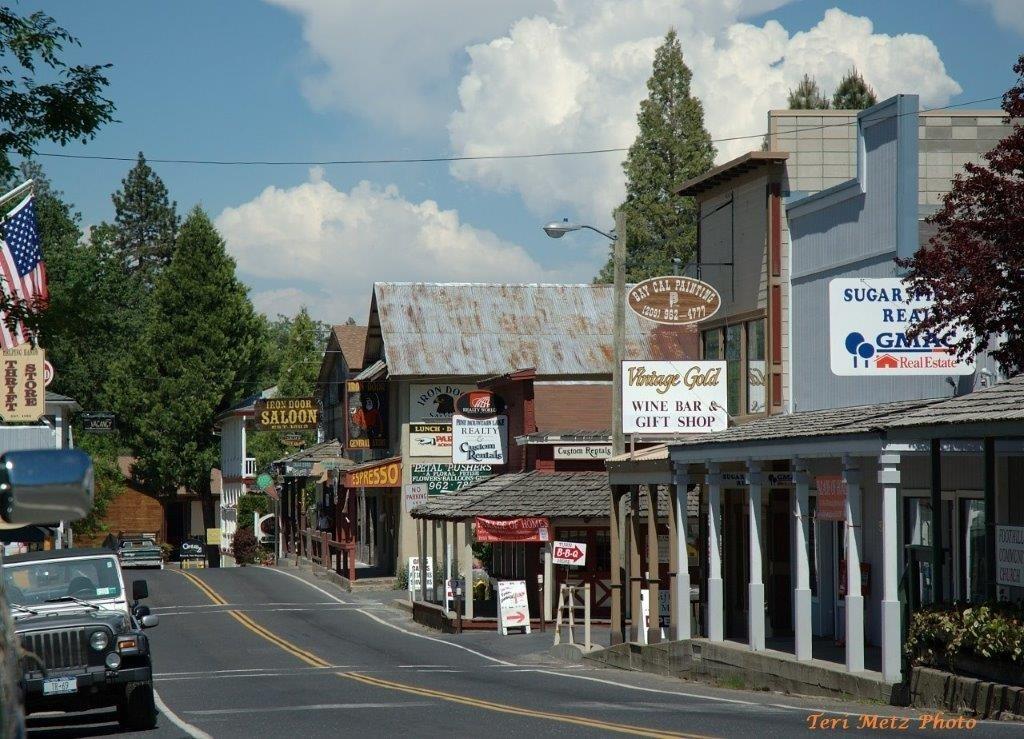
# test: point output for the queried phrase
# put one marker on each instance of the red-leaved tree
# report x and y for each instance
(974, 265)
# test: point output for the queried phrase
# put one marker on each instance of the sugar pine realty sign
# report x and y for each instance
(869, 318)
(673, 397)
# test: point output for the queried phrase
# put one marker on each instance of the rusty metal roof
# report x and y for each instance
(472, 329)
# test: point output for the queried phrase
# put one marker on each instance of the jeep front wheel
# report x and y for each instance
(136, 710)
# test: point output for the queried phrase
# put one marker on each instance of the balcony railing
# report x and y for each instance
(250, 466)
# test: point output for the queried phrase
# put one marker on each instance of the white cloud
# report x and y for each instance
(396, 61)
(1009, 13)
(327, 247)
(574, 79)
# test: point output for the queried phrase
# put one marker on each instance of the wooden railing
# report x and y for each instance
(320, 549)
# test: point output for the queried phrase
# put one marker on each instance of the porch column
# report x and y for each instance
(467, 567)
(716, 622)
(653, 566)
(618, 625)
(936, 481)
(680, 604)
(889, 479)
(755, 589)
(549, 583)
(802, 592)
(854, 598)
(635, 575)
(423, 559)
(989, 459)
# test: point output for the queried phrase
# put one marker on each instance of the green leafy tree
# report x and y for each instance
(42, 97)
(672, 146)
(853, 93)
(807, 96)
(108, 481)
(145, 223)
(199, 353)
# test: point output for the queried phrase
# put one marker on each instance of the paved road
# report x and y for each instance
(253, 652)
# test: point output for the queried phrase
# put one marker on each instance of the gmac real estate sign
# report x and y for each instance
(868, 322)
(673, 397)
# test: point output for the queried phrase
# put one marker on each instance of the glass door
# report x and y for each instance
(972, 549)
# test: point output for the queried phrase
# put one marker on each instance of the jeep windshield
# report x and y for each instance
(36, 583)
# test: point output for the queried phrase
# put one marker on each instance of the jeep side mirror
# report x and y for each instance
(140, 589)
(45, 485)
(141, 611)
(149, 621)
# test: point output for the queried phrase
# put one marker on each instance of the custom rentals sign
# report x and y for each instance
(673, 397)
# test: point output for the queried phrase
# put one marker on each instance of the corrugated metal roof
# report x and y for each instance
(471, 329)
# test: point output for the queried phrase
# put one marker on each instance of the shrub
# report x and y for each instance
(248, 504)
(244, 547)
(402, 579)
(989, 631)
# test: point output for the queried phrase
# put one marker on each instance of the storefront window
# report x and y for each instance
(812, 544)
(733, 366)
(713, 344)
(756, 376)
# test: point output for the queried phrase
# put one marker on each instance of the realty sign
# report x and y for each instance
(479, 440)
(568, 553)
(869, 318)
(681, 397)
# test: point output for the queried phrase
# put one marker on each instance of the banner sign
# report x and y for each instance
(568, 553)
(286, 414)
(387, 475)
(532, 528)
(868, 322)
(415, 574)
(513, 607)
(1010, 555)
(479, 440)
(24, 394)
(430, 440)
(583, 451)
(831, 498)
(440, 479)
(674, 300)
(435, 402)
(673, 397)
(367, 415)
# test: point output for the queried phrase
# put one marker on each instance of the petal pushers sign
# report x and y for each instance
(868, 322)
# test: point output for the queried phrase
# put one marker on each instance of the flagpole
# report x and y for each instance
(17, 192)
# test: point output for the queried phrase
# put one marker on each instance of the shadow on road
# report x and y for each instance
(67, 725)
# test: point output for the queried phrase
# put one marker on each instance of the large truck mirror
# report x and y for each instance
(45, 485)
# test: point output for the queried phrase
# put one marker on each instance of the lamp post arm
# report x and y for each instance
(608, 236)
(618, 329)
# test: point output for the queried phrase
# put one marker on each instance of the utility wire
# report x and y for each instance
(466, 158)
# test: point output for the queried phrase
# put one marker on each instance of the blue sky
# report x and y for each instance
(340, 79)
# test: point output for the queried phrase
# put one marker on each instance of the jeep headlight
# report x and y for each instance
(99, 640)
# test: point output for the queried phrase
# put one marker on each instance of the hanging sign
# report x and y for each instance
(527, 528)
(674, 397)
(430, 440)
(435, 402)
(568, 553)
(98, 422)
(386, 475)
(479, 440)
(48, 373)
(24, 394)
(367, 415)
(831, 498)
(583, 451)
(280, 414)
(449, 478)
(479, 404)
(674, 300)
(1010, 555)
(868, 322)
(513, 607)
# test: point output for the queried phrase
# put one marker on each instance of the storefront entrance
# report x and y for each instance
(598, 568)
(735, 561)
(963, 543)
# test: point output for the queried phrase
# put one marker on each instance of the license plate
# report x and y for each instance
(59, 685)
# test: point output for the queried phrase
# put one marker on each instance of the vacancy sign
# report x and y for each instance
(568, 553)
(673, 397)
(868, 322)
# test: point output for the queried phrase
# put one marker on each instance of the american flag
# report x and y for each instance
(21, 267)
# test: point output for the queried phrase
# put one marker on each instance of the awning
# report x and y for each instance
(328, 455)
(375, 371)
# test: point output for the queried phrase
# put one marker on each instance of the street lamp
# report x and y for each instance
(558, 229)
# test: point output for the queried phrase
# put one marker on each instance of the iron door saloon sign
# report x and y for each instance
(280, 414)
(674, 300)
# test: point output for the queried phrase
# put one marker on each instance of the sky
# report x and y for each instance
(329, 80)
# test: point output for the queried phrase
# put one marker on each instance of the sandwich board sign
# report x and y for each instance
(513, 609)
(415, 574)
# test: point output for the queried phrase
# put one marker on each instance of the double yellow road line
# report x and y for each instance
(314, 661)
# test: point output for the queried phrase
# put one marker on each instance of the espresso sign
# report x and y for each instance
(280, 414)
(674, 397)
(674, 300)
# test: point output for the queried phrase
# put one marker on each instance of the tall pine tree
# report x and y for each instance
(145, 222)
(853, 93)
(807, 96)
(199, 353)
(672, 146)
